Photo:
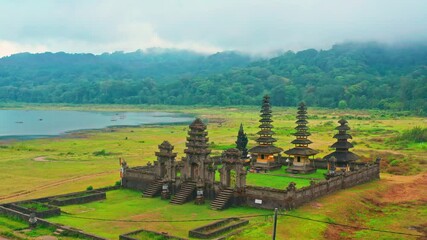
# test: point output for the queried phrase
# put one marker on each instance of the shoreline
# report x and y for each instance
(66, 134)
(17, 138)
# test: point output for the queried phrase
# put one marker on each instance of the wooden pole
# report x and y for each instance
(275, 224)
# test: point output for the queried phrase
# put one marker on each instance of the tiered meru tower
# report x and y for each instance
(198, 173)
(301, 152)
(265, 151)
(197, 160)
(343, 157)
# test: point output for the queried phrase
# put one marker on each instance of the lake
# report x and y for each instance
(44, 123)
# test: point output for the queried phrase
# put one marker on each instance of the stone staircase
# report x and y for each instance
(220, 202)
(154, 189)
(186, 192)
(58, 232)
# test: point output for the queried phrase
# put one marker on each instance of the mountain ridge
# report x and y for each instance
(354, 75)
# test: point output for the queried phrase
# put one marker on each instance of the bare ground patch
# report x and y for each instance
(41, 159)
(405, 191)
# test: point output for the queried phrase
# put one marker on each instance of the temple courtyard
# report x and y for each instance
(125, 204)
(128, 205)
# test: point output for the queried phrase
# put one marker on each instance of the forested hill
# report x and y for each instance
(162, 65)
(354, 75)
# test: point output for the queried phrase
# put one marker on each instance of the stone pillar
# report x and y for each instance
(232, 161)
(291, 196)
(165, 161)
(378, 163)
(32, 220)
(224, 176)
(200, 197)
(241, 177)
(166, 187)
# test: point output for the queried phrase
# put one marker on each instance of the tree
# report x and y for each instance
(242, 142)
(342, 104)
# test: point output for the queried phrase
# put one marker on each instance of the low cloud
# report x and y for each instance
(7, 48)
(255, 26)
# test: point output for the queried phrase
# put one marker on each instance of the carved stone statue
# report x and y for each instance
(291, 186)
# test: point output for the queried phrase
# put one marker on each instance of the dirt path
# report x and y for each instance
(40, 159)
(55, 184)
(46, 238)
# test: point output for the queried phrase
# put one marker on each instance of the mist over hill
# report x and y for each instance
(162, 65)
(353, 75)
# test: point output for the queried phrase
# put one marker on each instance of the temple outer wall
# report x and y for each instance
(137, 179)
(268, 198)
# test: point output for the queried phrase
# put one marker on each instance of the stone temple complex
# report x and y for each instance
(222, 180)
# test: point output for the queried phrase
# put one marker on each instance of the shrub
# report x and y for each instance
(101, 153)
(416, 134)
(394, 163)
(89, 188)
(118, 183)
(401, 170)
(35, 206)
(328, 123)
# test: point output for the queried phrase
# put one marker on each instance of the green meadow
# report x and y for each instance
(110, 218)
(16, 229)
(73, 162)
(129, 205)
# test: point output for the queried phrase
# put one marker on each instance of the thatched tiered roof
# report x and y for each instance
(265, 139)
(301, 142)
(165, 150)
(197, 140)
(342, 146)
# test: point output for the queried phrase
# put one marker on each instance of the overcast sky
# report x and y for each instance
(255, 26)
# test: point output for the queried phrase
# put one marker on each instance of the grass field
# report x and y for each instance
(43, 167)
(16, 229)
(128, 204)
(347, 207)
(280, 179)
(71, 165)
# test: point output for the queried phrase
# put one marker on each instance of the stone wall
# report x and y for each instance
(79, 198)
(50, 212)
(137, 178)
(14, 214)
(67, 230)
(269, 198)
(129, 236)
(320, 163)
(217, 228)
(49, 198)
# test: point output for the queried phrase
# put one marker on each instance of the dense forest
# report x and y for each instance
(349, 75)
